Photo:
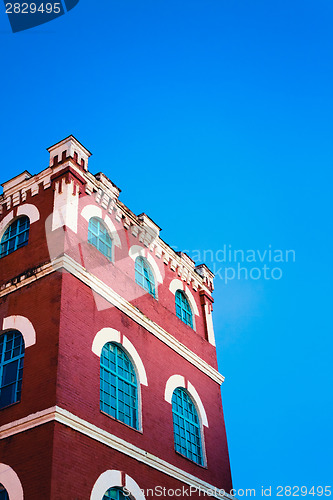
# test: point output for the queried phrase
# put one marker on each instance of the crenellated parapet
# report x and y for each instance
(70, 179)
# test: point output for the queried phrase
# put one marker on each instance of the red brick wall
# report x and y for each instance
(62, 369)
(120, 276)
(29, 454)
(36, 252)
(91, 459)
(40, 303)
(78, 383)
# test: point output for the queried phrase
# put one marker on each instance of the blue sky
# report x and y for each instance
(214, 118)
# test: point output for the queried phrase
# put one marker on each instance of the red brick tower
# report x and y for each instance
(108, 375)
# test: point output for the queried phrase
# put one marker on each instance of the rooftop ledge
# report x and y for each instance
(70, 147)
(16, 180)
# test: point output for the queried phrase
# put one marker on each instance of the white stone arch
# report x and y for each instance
(30, 211)
(179, 381)
(116, 479)
(11, 482)
(23, 325)
(111, 335)
(177, 284)
(195, 396)
(113, 231)
(90, 211)
(5, 222)
(138, 251)
(172, 383)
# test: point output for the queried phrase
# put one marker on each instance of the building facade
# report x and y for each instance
(109, 385)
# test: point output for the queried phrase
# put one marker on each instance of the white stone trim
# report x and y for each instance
(71, 146)
(172, 383)
(110, 295)
(176, 285)
(90, 211)
(18, 179)
(133, 488)
(129, 347)
(137, 251)
(26, 423)
(156, 270)
(73, 267)
(114, 479)
(179, 285)
(30, 211)
(93, 184)
(108, 479)
(11, 482)
(179, 381)
(30, 183)
(209, 323)
(191, 300)
(113, 231)
(103, 337)
(5, 221)
(23, 325)
(70, 420)
(200, 407)
(65, 205)
(110, 335)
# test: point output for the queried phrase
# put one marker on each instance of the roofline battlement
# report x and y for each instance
(69, 147)
(106, 195)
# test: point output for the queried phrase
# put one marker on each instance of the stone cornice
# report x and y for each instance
(64, 417)
(67, 263)
(106, 195)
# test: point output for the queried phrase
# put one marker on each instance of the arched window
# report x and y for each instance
(115, 494)
(15, 236)
(186, 426)
(98, 235)
(4, 494)
(118, 385)
(183, 308)
(144, 275)
(11, 367)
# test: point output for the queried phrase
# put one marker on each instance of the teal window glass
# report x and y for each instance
(183, 309)
(98, 235)
(11, 367)
(118, 385)
(3, 493)
(144, 276)
(186, 426)
(114, 493)
(16, 236)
